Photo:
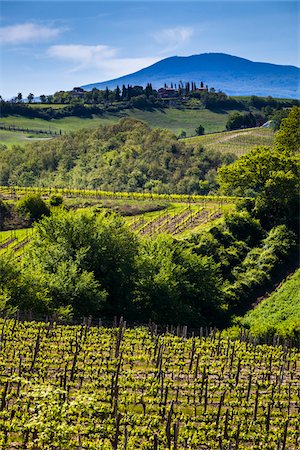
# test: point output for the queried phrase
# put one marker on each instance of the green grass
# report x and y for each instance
(279, 313)
(237, 141)
(170, 118)
(188, 119)
(10, 138)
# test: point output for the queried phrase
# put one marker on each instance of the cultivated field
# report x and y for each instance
(146, 214)
(82, 387)
(238, 141)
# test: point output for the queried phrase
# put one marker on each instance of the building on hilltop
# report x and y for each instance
(166, 93)
(202, 89)
(77, 92)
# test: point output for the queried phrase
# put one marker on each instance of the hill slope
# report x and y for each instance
(127, 156)
(234, 75)
(280, 313)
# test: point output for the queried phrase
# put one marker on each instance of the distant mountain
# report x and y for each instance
(231, 74)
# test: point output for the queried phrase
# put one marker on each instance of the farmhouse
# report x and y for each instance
(202, 89)
(166, 93)
(77, 92)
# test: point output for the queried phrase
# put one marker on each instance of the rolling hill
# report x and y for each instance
(231, 74)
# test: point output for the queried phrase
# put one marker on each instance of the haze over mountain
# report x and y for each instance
(231, 74)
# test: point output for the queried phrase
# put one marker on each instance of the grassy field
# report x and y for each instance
(238, 141)
(10, 138)
(170, 118)
(91, 387)
(187, 120)
(279, 313)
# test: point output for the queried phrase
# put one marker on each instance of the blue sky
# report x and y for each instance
(52, 45)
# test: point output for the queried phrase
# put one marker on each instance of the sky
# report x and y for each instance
(48, 46)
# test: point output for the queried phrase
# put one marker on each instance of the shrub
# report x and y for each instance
(32, 207)
(200, 130)
(55, 200)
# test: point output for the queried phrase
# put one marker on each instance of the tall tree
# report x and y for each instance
(107, 94)
(117, 94)
(30, 97)
(124, 92)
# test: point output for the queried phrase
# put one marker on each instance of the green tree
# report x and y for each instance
(30, 98)
(117, 94)
(18, 290)
(271, 176)
(32, 207)
(43, 98)
(176, 285)
(199, 130)
(236, 121)
(56, 200)
(107, 94)
(99, 250)
(288, 137)
(19, 97)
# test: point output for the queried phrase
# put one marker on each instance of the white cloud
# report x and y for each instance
(101, 57)
(172, 38)
(86, 54)
(27, 32)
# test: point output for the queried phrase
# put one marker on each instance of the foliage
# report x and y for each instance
(55, 200)
(17, 290)
(33, 207)
(4, 212)
(271, 176)
(244, 228)
(176, 285)
(255, 272)
(288, 136)
(236, 121)
(200, 130)
(84, 258)
(125, 156)
(277, 117)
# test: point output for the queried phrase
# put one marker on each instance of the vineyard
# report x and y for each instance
(85, 387)
(238, 142)
(14, 241)
(15, 192)
(176, 214)
(175, 220)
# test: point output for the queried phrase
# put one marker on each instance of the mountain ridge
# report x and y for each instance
(231, 74)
